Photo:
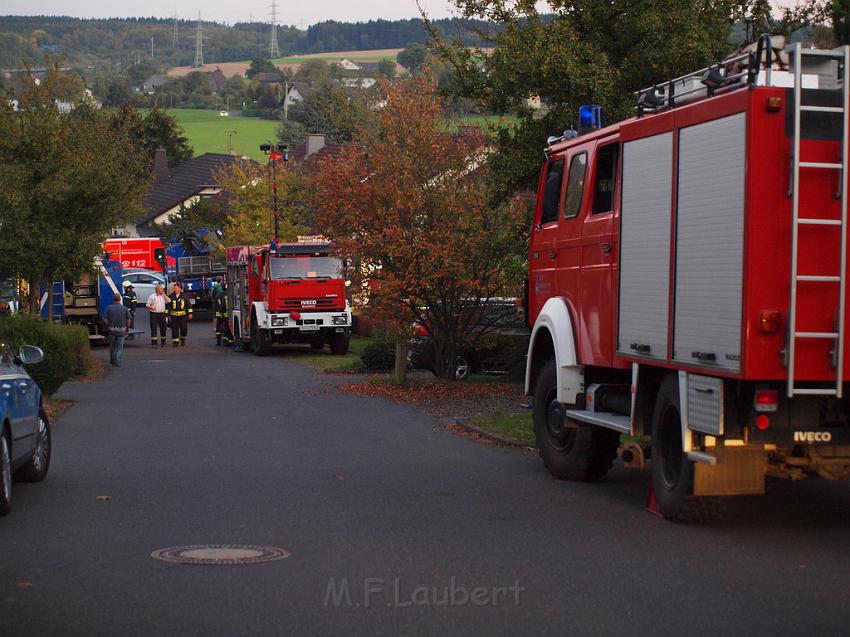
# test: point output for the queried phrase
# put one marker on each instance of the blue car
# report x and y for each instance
(24, 427)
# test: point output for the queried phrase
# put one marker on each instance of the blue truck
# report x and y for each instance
(195, 261)
(85, 300)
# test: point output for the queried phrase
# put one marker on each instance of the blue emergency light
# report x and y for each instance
(589, 118)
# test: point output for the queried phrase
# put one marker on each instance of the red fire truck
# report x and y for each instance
(148, 253)
(687, 283)
(288, 292)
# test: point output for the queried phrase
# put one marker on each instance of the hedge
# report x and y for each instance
(66, 348)
(379, 355)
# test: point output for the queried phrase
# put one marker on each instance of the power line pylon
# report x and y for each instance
(174, 37)
(274, 51)
(199, 45)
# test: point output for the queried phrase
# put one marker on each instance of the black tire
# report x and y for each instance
(261, 346)
(317, 344)
(672, 471)
(35, 470)
(583, 453)
(5, 473)
(339, 343)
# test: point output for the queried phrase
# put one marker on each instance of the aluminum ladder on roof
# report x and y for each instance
(842, 55)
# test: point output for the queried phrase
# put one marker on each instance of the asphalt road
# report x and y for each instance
(204, 446)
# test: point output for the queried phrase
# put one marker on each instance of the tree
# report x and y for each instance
(291, 133)
(318, 71)
(412, 57)
(582, 52)
(333, 111)
(207, 212)
(156, 130)
(65, 181)
(387, 68)
(248, 195)
(840, 14)
(410, 203)
(260, 65)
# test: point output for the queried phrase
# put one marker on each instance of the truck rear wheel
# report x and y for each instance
(585, 452)
(672, 471)
(339, 343)
(261, 346)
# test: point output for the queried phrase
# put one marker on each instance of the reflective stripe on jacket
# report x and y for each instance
(178, 306)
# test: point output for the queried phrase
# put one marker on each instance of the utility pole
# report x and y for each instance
(199, 45)
(230, 134)
(174, 38)
(274, 51)
(151, 47)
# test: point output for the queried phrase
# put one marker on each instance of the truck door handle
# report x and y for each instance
(552, 254)
(708, 357)
(641, 348)
(606, 248)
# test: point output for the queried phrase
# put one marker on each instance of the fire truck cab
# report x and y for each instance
(288, 292)
(687, 283)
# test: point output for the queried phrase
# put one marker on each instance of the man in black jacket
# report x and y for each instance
(179, 311)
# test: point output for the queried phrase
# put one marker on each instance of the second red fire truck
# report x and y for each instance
(288, 292)
(687, 284)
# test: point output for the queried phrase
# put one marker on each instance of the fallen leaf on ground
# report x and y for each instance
(23, 584)
(104, 498)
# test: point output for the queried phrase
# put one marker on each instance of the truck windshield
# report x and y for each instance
(304, 267)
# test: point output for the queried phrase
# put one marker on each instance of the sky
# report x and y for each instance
(290, 13)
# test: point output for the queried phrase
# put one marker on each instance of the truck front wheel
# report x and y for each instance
(339, 343)
(261, 346)
(583, 452)
(672, 471)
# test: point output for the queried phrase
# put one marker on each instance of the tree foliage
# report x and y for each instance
(207, 212)
(333, 111)
(412, 57)
(410, 203)
(586, 51)
(247, 193)
(156, 130)
(260, 65)
(65, 181)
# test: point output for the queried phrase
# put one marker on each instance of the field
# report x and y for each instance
(238, 68)
(206, 131)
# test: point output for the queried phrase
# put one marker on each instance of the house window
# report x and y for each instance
(575, 185)
(552, 192)
(606, 173)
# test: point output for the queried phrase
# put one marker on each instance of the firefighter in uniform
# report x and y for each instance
(223, 335)
(179, 312)
(130, 301)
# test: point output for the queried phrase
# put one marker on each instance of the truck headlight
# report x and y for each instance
(278, 322)
(340, 320)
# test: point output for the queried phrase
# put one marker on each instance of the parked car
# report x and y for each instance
(144, 282)
(499, 343)
(24, 426)
(9, 301)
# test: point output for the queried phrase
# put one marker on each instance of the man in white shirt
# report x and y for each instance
(156, 306)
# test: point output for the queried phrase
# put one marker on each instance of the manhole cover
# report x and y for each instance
(219, 554)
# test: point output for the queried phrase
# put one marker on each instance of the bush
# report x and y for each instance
(66, 348)
(379, 355)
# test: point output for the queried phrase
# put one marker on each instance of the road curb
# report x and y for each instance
(489, 436)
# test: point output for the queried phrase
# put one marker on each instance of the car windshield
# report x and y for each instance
(304, 267)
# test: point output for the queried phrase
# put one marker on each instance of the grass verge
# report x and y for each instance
(326, 362)
(516, 428)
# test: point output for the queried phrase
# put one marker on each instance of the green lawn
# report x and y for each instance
(516, 428)
(325, 361)
(206, 131)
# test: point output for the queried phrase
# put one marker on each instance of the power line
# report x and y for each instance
(274, 51)
(199, 45)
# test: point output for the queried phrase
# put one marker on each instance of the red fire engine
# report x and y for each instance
(688, 272)
(288, 292)
(143, 252)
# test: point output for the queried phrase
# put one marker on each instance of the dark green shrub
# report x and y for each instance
(379, 355)
(66, 348)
